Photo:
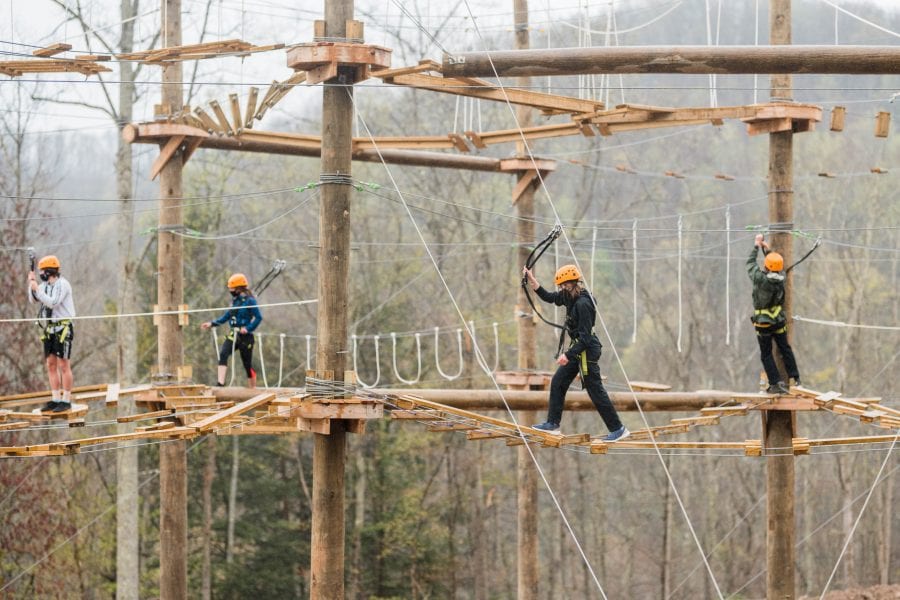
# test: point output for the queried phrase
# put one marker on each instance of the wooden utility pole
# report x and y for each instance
(526, 470)
(696, 60)
(329, 454)
(170, 294)
(779, 425)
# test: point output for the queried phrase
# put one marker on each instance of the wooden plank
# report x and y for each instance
(408, 401)
(769, 126)
(871, 439)
(882, 124)
(451, 426)
(112, 394)
(174, 433)
(52, 50)
(417, 415)
(220, 115)
(705, 420)
(600, 447)
(38, 396)
(838, 116)
(208, 121)
(251, 107)
(649, 386)
(486, 434)
(144, 416)
(14, 425)
(205, 425)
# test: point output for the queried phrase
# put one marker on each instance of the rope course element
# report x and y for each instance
(418, 337)
(459, 345)
(842, 324)
(377, 364)
(479, 357)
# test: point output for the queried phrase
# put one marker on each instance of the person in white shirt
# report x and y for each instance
(54, 294)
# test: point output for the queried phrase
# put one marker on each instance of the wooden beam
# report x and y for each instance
(52, 50)
(165, 155)
(694, 60)
(209, 423)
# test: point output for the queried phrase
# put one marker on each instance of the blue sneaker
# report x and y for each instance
(618, 435)
(547, 426)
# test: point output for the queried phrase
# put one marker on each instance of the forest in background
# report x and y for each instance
(432, 515)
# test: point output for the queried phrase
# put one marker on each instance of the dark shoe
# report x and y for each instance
(778, 388)
(50, 406)
(62, 407)
(547, 426)
(797, 382)
(618, 435)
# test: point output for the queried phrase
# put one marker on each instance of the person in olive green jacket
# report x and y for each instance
(768, 315)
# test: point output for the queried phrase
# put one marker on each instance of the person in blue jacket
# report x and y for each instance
(243, 317)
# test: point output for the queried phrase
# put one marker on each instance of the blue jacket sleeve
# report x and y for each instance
(221, 320)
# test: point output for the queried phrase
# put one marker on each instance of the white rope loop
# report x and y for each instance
(377, 364)
(308, 352)
(634, 266)
(479, 356)
(680, 250)
(418, 357)
(728, 275)
(262, 361)
(280, 358)
(437, 361)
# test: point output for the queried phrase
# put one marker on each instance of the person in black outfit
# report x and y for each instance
(583, 355)
(768, 315)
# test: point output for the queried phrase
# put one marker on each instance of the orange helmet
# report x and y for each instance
(237, 280)
(567, 273)
(774, 261)
(48, 262)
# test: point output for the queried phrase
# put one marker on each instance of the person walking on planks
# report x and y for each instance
(54, 294)
(243, 317)
(768, 316)
(583, 354)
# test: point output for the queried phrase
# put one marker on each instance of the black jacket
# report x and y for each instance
(580, 317)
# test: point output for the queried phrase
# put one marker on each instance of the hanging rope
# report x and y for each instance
(418, 357)
(233, 357)
(680, 248)
(377, 365)
(437, 361)
(634, 265)
(308, 361)
(280, 358)
(593, 249)
(728, 275)
(262, 361)
(478, 356)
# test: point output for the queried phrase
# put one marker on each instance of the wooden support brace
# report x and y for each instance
(52, 50)
(526, 180)
(770, 126)
(882, 124)
(165, 155)
(838, 116)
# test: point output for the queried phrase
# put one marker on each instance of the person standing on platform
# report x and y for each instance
(768, 315)
(583, 355)
(243, 317)
(54, 294)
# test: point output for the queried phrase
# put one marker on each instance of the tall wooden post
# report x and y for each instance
(170, 294)
(329, 455)
(526, 472)
(779, 425)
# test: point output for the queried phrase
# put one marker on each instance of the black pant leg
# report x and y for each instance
(245, 347)
(787, 354)
(225, 351)
(768, 361)
(559, 385)
(597, 393)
